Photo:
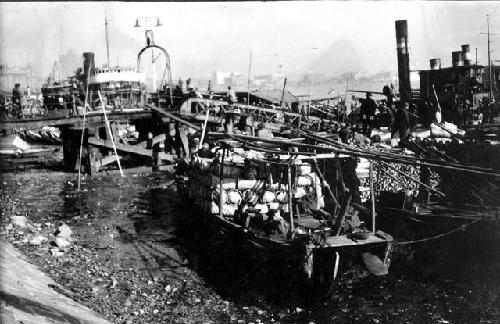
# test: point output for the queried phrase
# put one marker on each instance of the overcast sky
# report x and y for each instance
(289, 37)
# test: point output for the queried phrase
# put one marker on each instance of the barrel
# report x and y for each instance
(457, 58)
(435, 64)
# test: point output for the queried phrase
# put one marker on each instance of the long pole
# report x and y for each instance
(221, 181)
(283, 93)
(248, 78)
(372, 197)
(290, 199)
(110, 132)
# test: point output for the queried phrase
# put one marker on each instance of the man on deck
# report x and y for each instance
(367, 110)
(231, 96)
(16, 95)
(402, 121)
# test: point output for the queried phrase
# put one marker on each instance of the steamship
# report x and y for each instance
(464, 80)
(121, 89)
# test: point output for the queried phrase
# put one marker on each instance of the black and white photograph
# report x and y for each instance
(250, 162)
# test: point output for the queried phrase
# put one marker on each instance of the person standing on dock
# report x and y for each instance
(367, 110)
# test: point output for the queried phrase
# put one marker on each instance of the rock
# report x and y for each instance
(37, 240)
(168, 289)
(55, 252)
(64, 231)
(155, 311)
(19, 221)
(62, 242)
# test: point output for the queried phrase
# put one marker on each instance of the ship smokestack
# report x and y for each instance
(457, 58)
(435, 63)
(467, 55)
(88, 63)
(403, 59)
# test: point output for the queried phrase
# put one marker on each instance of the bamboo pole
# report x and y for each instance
(204, 129)
(110, 132)
(290, 200)
(372, 197)
(221, 181)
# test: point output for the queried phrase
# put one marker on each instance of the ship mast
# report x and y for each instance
(490, 80)
(107, 36)
(489, 58)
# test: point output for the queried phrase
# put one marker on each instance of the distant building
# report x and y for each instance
(220, 78)
(68, 64)
(25, 76)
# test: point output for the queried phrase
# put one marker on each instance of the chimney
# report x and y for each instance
(88, 63)
(435, 63)
(457, 58)
(403, 59)
(466, 54)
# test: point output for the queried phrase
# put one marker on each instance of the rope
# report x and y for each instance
(462, 227)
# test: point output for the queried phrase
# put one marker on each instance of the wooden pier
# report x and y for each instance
(154, 137)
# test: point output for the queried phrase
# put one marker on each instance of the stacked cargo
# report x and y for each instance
(248, 184)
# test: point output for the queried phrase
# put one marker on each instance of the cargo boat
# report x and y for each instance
(248, 197)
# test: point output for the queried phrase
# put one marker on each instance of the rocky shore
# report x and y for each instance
(114, 248)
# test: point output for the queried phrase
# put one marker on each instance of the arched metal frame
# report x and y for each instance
(167, 68)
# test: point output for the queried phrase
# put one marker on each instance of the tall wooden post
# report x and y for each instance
(372, 197)
(221, 181)
(290, 200)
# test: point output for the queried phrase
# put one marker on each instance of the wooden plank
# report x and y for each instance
(121, 147)
(342, 240)
(108, 160)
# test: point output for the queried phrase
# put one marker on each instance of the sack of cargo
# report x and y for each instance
(268, 196)
(385, 136)
(421, 133)
(439, 132)
(282, 196)
(234, 197)
(262, 208)
(303, 170)
(306, 180)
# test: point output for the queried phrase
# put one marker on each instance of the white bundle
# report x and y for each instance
(268, 196)
(262, 207)
(304, 180)
(299, 192)
(304, 169)
(282, 196)
(274, 205)
(234, 197)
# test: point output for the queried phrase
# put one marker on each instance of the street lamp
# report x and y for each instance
(150, 40)
(148, 21)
